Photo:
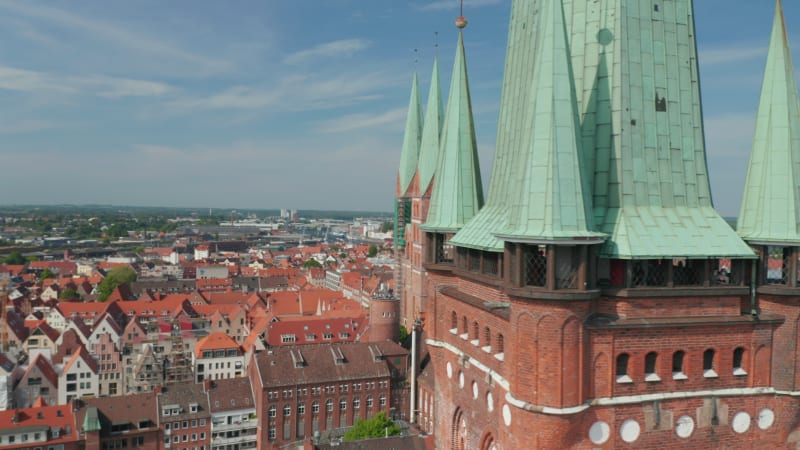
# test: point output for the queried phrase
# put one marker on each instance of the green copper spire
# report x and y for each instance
(651, 191)
(638, 93)
(550, 199)
(429, 149)
(458, 192)
(91, 421)
(514, 102)
(770, 210)
(409, 157)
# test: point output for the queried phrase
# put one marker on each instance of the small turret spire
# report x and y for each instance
(409, 156)
(770, 212)
(457, 191)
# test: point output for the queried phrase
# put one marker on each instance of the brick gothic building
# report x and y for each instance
(302, 389)
(597, 300)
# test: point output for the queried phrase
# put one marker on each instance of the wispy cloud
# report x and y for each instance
(296, 93)
(22, 80)
(333, 49)
(359, 121)
(28, 126)
(733, 54)
(115, 34)
(439, 5)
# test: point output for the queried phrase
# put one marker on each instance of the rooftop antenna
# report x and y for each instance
(416, 58)
(436, 42)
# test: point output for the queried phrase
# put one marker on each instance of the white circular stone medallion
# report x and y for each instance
(449, 370)
(475, 390)
(599, 433)
(766, 418)
(507, 415)
(630, 430)
(741, 422)
(461, 380)
(684, 427)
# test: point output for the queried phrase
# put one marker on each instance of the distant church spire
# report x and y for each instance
(431, 131)
(457, 191)
(770, 212)
(409, 157)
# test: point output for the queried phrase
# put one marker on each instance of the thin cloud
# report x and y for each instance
(729, 55)
(440, 5)
(114, 33)
(28, 126)
(360, 121)
(296, 93)
(22, 80)
(333, 49)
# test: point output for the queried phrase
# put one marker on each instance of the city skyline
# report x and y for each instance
(207, 106)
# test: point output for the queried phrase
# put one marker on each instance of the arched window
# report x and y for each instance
(454, 321)
(287, 410)
(677, 365)
(738, 361)
(369, 401)
(622, 368)
(464, 326)
(487, 339)
(329, 405)
(301, 409)
(315, 407)
(709, 364)
(342, 405)
(356, 403)
(475, 331)
(650, 361)
(500, 344)
(273, 411)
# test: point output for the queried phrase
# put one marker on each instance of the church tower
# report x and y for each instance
(597, 299)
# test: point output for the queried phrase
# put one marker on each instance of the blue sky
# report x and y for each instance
(269, 103)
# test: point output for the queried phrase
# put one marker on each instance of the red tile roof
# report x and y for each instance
(214, 341)
(47, 417)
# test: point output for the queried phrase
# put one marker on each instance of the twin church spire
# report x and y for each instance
(441, 154)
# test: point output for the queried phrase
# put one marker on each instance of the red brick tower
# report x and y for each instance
(597, 300)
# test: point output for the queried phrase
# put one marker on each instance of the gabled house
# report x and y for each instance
(40, 379)
(105, 324)
(42, 340)
(79, 378)
(143, 371)
(111, 370)
(13, 332)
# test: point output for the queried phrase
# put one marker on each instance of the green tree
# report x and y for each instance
(403, 333)
(15, 258)
(312, 263)
(387, 227)
(379, 425)
(46, 273)
(69, 294)
(373, 251)
(115, 277)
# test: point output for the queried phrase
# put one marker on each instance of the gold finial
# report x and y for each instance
(461, 21)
